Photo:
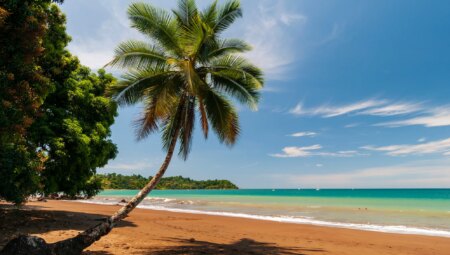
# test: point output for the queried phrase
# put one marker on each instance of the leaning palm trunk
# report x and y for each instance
(75, 245)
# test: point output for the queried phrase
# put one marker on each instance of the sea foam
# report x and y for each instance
(289, 219)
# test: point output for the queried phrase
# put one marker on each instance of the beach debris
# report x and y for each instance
(42, 199)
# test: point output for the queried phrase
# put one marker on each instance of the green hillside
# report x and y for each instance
(118, 181)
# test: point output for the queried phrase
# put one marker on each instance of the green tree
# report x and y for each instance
(23, 88)
(54, 132)
(73, 126)
(185, 69)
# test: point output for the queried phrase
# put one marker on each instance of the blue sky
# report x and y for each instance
(356, 95)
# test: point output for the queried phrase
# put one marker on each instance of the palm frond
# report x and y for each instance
(187, 127)
(173, 122)
(227, 14)
(209, 15)
(239, 65)
(186, 11)
(148, 123)
(237, 85)
(230, 46)
(203, 118)
(222, 116)
(137, 55)
(191, 78)
(158, 24)
(134, 85)
(192, 37)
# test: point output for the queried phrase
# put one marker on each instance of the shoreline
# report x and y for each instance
(393, 229)
(162, 233)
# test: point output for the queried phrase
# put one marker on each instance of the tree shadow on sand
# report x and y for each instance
(243, 247)
(31, 220)
(96, 253)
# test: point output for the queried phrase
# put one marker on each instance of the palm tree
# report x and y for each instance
(184, 69)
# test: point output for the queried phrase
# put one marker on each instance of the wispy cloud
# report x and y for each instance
(268, 31)
(313, 150)
(415, 174)
(97, 49)
(301, 134)
(295, 152)
(439, 146)
(289, 18)
(434, 117)
(352, 125)
(419, 113)
(328, 111)
(393, 109)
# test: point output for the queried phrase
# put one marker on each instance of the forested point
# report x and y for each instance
(118, 181)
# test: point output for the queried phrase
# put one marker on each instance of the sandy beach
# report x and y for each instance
(164, 233)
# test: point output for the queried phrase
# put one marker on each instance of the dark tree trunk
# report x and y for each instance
(30, 245)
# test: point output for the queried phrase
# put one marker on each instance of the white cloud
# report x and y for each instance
(393, 109)
(319, 165)
(97, 49)
(298, 109)
(294, 152)
(352, 125)
(421, 140)
(288, 18)
(436, 117)
(327, 111)
(440, 146)
(301, 134)
(313, 150)
(422, 115)
(268, 30)
(415, 174)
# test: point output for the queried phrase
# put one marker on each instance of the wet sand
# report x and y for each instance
(166, 233)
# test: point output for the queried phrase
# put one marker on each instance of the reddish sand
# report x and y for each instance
(164, 233)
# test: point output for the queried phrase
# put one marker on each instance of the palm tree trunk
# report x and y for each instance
(75, 245)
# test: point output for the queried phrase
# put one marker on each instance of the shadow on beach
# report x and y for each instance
(31, 220)
(243, 246)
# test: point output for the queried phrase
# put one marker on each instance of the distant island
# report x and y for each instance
(119, 181)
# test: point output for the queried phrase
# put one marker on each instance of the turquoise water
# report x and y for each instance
(416, 211)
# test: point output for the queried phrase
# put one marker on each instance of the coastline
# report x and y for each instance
(394, 229)
(159, 232)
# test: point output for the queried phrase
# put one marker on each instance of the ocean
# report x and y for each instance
(405, 211)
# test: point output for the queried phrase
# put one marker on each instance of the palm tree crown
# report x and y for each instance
(185, 69)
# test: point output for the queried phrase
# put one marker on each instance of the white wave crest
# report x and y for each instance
(304, 220)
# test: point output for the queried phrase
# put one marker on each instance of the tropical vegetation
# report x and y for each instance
(119, 181)
(54, 118)
(183, 70)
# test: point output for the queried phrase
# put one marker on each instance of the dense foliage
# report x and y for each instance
(118, 181)
(23, 88)
(54, 119)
